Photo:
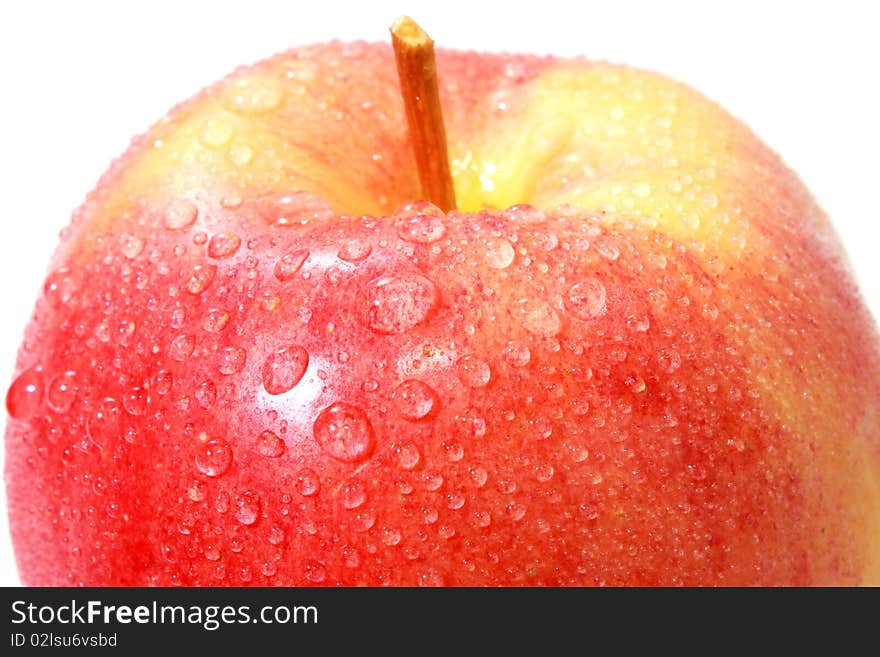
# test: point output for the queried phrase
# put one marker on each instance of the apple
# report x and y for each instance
(632, 353)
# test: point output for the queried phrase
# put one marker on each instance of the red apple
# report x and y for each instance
(633, 355)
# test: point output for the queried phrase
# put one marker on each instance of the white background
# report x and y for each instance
(78, 79)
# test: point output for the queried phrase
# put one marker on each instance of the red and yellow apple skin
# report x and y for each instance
(246, 368)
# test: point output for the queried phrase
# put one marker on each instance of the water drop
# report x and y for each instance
(289, 264)
(197, 492)
(247, 508)
(539, 318)
(408, 456)
(200, 278)
(59, 287)
(162, 382)
(473, 372)
(25, 395)
(231, 360)
(131, 246)
(307, 482)
(499, 253)
(269, 444)
(240, 154)
(298, 208)
(276, 536)
(180, 213)
(524, 214)
(517, 354)
(215, 133)
(215, 320)
(414, 399)
(181, 347)
(61, 392)
(213, 457)
(353, 495)
(252, 95)
(586, 300)
(344, 432)
(354, 251)
(206, 394)
(223, 245)
(284, 368)
(397, 303)
(669, 360)
(135, 401)
(420, 222)
(104, 425)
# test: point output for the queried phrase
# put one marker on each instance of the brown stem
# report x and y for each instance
(414, 51)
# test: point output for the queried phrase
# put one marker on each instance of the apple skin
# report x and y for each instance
(247, 369)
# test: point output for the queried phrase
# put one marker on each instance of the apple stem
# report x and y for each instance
(417, 68)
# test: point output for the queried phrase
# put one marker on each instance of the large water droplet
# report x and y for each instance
(669, 360)
(104, 425)
(473, 372)
(25, 395)
(396, 303)
(131, 246)
(414, 399)
(181, 347)
(135, 401)
(289, 264)
(215, 133)
(213, 457)
(247, 508)
(200, 278)
(252, 95)
(223, 245)
(307, 482)
(499, 253)
(59, 287)
(215, 320)
(231, 360)
(524, 214)
(354, 495)
(586, 300)
(517, 354)
(284, 368)
(179, 214)
(344, 432)
(539, 318)
(61, 392)
(354, 250)
(206, 394)
(420, 222)
(408, 456)
(298, 208)
(269, 444)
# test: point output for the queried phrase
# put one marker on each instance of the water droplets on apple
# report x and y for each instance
(420, 222)
(289, 264)
(59, 287)
(297, 208)
(307, 482)
(354, 250)
(473, 372)
(284, 368)
(269, 444)
(206, 394)
(344, 432)
(353, 495)
(181, 347)
(398, 302)
(247, 507)
(223, 245)
(408, 456)
(25, 396)
(539, 318)
(104, 424)
(135, 401)
(252, 95)
(200, 278)
(498, 253)
(179, 214)
(524, 214)
(586, 299)
(516, 354)
(61, 392)
(213, 457)
(231, 360)
(131, 246)
(414, 399)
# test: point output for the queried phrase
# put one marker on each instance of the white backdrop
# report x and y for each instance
(80, 78)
